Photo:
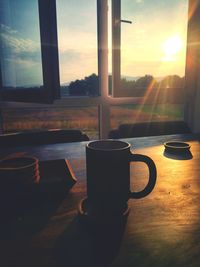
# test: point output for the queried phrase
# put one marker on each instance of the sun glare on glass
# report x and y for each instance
(171, 47)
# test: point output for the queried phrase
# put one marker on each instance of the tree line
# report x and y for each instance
(89, 86)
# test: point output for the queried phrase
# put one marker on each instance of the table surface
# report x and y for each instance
(162, 229)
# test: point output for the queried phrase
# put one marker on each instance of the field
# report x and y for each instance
(85, 119)
(137, 113)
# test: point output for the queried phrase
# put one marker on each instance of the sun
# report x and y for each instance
(171, 47)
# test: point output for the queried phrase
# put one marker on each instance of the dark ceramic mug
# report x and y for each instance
(108, 175)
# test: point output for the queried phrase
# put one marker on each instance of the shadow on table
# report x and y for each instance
(178, 156)
(27, 214)
(84, 244)
(26, 209)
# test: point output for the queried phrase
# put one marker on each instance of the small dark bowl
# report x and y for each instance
(19, 169)
(177, 146)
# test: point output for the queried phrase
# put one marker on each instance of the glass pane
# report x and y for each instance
(153, 47)
(136, 113)
(17, 119)
(20, 51)
(77, 40)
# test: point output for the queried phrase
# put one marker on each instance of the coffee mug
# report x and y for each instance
(108, 175)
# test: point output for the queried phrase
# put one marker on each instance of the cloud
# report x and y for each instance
(19, 49)
(69, 56)
(21, 58)
(76, 64)
(79, 40)
(6, 29)
(19, 45)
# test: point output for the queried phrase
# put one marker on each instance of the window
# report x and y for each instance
(151, 51)
(77, 46)
(29, 65)
(150, 54)
(20, 51)
(148, 57)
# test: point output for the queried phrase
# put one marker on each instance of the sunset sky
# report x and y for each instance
(153, 44)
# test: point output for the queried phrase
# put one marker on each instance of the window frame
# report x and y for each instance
(116, 47)
(104, 101)
(192, 87)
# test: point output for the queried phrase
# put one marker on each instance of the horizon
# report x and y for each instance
(127, 78)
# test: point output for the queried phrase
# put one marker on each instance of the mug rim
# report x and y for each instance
(125, 146)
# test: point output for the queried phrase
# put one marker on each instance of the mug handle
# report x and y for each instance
(152, 175)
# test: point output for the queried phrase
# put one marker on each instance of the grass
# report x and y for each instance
(85, 119)
(170, 110)
(137, 113)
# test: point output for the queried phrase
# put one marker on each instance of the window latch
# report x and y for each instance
(126, 21)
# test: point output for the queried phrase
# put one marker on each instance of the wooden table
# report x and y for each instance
(163, 229)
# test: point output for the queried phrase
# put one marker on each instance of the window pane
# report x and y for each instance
(145, 113)
(17, 119)
(20, 50)
(153, 47)
(77, 40)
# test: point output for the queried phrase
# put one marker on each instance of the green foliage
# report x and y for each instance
(89, 86)
(169, 89)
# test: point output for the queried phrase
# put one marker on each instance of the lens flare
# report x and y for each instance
(171, 48)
